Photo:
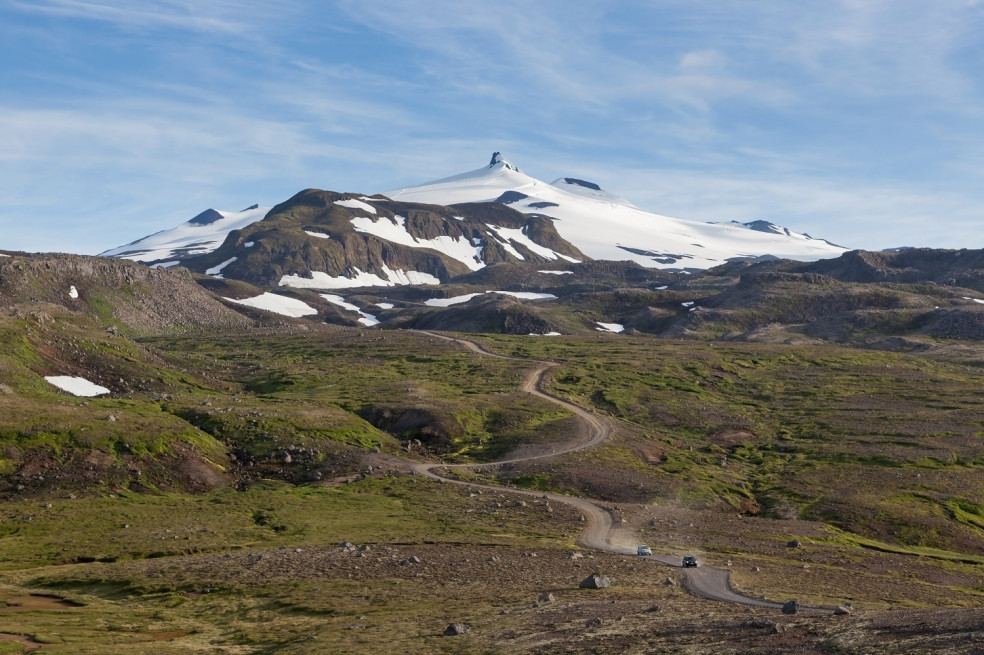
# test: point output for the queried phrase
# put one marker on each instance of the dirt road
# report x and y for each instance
(705, 581)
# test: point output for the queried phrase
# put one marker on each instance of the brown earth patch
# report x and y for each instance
(730, 438)
(37, 602)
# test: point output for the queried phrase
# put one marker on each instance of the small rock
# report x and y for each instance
(790, 607)
(669, 582)
(775, 629)
(842, 610)
(654, 608)
(455, 629)
(793, 543)
(576, 555)
(596, 622)
(546, 597)
(111, 418)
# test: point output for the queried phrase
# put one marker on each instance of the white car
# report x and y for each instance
(644, 550)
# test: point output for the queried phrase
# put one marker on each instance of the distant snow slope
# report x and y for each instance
(202, 234)
(604, 226)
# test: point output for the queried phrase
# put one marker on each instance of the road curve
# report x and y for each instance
(705, 581)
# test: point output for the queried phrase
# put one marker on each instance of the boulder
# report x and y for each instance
(790, 607)
(595, 581)
(455, 629)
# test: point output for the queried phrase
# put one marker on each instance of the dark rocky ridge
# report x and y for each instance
(283, 247)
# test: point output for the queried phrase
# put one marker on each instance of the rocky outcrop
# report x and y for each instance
(115, 291)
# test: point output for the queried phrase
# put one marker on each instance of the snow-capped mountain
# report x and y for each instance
(430, 233)
(201, 235)
(604, 226)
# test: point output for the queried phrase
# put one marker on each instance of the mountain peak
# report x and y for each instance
(497, 158)
(207, 217)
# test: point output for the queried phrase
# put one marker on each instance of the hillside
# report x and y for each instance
(239, 467)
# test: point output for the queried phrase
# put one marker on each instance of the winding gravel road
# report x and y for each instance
(705, 581)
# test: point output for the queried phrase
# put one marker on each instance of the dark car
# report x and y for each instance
(689, 560)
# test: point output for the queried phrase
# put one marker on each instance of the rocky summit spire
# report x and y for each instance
(497, 158)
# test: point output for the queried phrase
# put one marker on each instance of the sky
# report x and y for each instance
(857, 121)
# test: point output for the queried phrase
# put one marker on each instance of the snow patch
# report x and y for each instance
(320, 280)
(457, 300)
(73, 292)
(610, 327)
(367, 319)
(273, 302)
(395, 230)
(519, 236)
(352, 203)
(320, 235)
(526, 295)
(977, 300)
(249, 244)
(557, 272)
(338, 300)
(76, 386)
(217, 270)
(165, 265)
(447, 302)
(385, 305)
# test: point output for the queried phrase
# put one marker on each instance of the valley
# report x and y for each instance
(255, 491)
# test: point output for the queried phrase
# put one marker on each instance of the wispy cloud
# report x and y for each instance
(817, 114)
(206, 17)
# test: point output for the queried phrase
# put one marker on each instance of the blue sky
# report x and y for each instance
(859, 121)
